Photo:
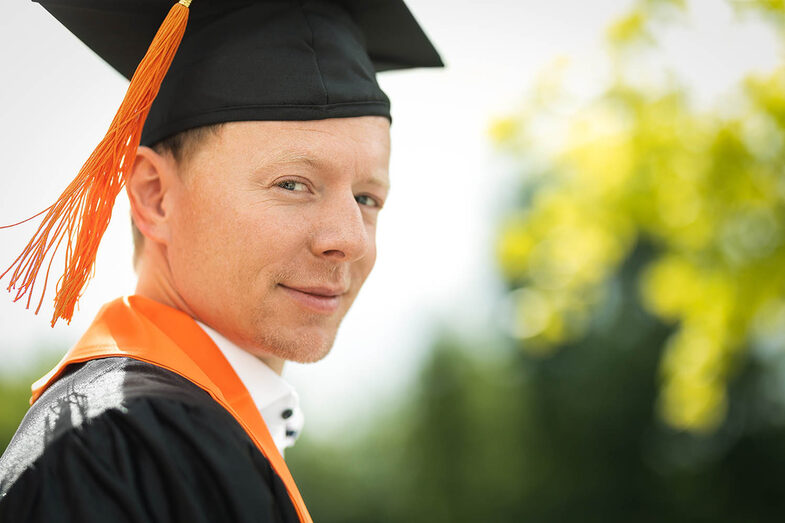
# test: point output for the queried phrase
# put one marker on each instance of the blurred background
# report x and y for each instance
(578, 309)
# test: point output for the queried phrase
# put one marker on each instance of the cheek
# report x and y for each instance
(235, 243)
(204, 240)
(364, 266)
(218, 219)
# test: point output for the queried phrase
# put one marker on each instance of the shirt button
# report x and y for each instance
(287, 413)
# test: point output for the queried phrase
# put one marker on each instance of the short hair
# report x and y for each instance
(180, 146)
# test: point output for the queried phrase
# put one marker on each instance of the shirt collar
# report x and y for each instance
(276, 400)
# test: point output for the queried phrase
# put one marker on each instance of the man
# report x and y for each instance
(257, 186)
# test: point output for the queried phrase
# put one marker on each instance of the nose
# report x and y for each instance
(341, 232)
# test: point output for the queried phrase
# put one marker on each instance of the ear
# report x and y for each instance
(151, 177)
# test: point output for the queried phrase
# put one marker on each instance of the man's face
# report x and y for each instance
(273, 229)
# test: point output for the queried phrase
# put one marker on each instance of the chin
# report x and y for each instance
(308, 357)
(304, 346)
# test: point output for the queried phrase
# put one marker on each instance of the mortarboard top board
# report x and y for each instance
(257, 59)
(235, 60)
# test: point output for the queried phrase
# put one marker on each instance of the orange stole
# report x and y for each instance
(142, 329)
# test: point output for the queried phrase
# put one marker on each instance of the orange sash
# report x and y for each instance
(145, 330)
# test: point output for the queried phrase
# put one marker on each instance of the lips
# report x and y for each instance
(323, 300)
(318, 291)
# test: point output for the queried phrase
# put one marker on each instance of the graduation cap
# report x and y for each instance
(235, 60)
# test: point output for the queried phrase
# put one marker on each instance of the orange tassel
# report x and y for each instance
(83, 210)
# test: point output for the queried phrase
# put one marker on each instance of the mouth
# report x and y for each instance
(324, 300)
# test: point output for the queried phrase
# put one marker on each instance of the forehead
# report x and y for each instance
(357, 143)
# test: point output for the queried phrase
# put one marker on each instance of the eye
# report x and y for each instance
(292, 185)
(364, 199)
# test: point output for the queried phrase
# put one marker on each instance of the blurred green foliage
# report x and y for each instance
(15, 395)
(493, 434)
(639, 163)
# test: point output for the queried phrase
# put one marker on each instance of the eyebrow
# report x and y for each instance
(289, 158)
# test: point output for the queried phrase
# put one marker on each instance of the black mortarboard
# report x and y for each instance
(257, 59)
(234, 60)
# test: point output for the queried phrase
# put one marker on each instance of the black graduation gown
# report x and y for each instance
(120, 440)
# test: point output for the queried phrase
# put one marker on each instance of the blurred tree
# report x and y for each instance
(639, 164)
(15, 394)
(496, 434)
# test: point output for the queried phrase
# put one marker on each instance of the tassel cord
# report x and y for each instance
(83, 211)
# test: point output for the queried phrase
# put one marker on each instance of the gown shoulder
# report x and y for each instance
(118, 440)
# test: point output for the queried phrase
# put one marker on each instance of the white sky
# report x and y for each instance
(435, 264)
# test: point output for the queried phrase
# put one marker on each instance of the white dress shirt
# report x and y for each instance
(276, 400)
